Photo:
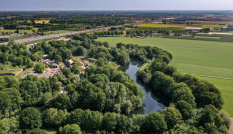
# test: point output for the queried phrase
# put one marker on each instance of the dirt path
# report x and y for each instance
(210, 76)
(231, 128)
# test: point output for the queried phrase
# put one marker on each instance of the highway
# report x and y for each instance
(54, 35)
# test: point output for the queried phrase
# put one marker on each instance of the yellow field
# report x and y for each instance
(180, 26)
(41, 21)
(160, 25)
(213, 26)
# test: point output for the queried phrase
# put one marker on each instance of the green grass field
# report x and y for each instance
(207, 37)
(226, 88)
(190, 56)
(212, 26)
(207, 58)
(13, 30)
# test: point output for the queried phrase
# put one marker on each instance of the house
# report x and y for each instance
(70, 62)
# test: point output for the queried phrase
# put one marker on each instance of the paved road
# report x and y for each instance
(55, 35)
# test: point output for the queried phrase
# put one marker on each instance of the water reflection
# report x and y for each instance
(152, 103)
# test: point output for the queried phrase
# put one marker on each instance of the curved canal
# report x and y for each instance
(151, 103)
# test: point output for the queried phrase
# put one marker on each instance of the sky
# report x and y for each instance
(45, 5)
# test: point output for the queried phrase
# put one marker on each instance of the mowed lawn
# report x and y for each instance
(195, 57)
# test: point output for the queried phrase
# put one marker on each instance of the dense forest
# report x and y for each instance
(99, 100)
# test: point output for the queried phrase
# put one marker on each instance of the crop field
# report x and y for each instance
(13, 30)
(160, 25)
(212, 26)
(207, 25)
(41, 21)
(213, 22)
(207, 58)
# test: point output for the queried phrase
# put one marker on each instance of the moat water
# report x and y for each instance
(152, 102)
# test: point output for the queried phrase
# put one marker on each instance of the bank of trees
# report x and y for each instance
(4, 40)
(109, 33)
(139, 33)
(186, 93)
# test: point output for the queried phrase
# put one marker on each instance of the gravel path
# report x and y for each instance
(231, 128)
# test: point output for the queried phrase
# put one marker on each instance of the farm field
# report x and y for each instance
(213, 22)
(160, 25)
(207, 58)
(21, 31)
(175, 26)
(41, 21)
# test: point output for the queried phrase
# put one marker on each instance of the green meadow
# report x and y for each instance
(209, 58)
(226, 88)
(190, 56)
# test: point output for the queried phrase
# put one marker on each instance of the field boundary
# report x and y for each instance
(209, 76)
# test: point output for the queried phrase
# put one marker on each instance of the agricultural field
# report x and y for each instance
(21, 31)
(160, 25)
(156, 27)
(28, 21)
(41, 21)
(207, 58)
(213, 22)
(212, 26)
